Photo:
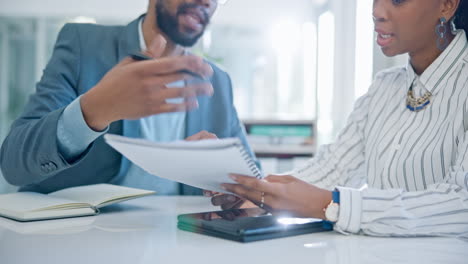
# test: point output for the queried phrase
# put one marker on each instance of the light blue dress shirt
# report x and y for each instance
(74, 136)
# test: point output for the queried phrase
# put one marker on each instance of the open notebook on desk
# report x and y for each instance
(70, 202)
(203, 164)
(109, 223)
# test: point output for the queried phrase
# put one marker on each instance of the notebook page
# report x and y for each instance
(199, 144)
(201, 167)
(100, 195)
(29, 201)
(59, 226)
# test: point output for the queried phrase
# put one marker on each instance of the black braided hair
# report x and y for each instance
(461, 19)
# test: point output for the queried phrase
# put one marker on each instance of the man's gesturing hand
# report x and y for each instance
(135, 89)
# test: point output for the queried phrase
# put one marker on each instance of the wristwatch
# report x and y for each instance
(332, 211)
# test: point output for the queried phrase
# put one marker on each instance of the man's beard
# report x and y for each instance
(169, 24)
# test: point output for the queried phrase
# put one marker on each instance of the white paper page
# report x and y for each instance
(100, 194)
(200, 144)
(29, 201)
(58, 226)
(203, 164)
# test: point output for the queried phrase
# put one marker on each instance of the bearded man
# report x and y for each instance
(92, 86)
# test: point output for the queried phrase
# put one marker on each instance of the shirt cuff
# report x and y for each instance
(73, 134)
(349, 219)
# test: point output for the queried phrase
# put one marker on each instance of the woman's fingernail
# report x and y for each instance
(223, 187)
(233, 177)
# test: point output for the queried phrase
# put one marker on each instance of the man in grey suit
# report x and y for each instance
(91, 86)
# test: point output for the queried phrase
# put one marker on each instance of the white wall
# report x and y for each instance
(345, 13)
(382, 62)
(243, 12)
(60, 8)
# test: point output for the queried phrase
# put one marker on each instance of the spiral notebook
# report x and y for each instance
(203, 164)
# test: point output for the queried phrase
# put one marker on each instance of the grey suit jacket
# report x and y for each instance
(29, 156)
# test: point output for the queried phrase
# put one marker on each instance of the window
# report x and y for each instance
(272, 61)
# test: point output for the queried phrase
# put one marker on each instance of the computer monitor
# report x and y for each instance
(281, 138)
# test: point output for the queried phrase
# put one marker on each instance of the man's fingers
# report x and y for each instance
(189, 91)
(168, 79)
(126, 61)
(156, 47)
(182, 107)
(202, 135)
(168, 65)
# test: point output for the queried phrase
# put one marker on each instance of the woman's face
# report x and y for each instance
(406, 26)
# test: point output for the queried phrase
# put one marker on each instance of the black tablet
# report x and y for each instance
(247, 225)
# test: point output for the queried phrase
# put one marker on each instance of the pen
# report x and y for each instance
(141, 57)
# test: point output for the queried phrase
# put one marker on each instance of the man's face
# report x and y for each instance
(184, 21)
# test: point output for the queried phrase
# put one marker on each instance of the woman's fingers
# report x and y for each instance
(234, 205)
(252, 182)
(219, 200)
(279, 178)
(210, 193)
(252, 195)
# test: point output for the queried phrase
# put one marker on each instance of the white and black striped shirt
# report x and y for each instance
(414, 163)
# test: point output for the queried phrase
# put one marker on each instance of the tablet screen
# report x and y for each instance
(248, 224)
(229, 215)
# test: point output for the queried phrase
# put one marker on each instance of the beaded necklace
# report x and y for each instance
(417, 104)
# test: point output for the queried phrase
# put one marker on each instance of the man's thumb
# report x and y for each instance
(157, 47)
(126, 61)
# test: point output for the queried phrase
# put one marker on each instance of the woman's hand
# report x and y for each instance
(282, 194)
(228, 201)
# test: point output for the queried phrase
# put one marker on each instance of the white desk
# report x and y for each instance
(145, 231)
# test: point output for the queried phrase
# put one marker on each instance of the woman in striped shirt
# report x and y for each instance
(407, 138)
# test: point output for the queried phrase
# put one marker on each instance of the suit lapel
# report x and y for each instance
(129, 39)
(128, 43)
(200, 119)
(193, 123)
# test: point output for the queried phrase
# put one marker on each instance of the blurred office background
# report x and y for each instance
(295, 64)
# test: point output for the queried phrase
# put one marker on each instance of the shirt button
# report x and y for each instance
(48, 167)
(52, 166)
(44, 168)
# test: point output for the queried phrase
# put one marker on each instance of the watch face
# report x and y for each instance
(332, 212)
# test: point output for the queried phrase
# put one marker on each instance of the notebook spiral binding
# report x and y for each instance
(252, 166)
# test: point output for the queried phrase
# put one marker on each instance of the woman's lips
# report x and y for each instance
(384, 39)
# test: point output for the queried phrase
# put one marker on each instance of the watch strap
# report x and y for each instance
(336, 196)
